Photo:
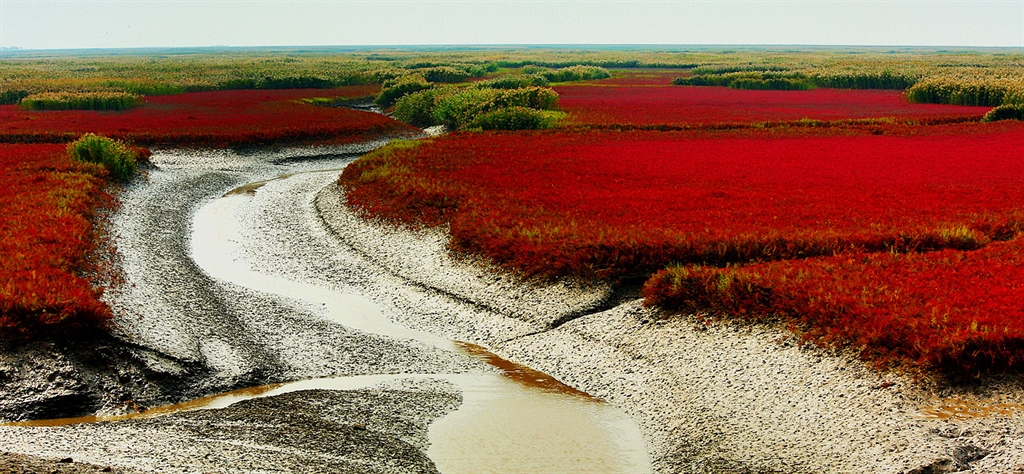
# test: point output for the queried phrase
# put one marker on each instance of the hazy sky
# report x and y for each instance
(123, 23)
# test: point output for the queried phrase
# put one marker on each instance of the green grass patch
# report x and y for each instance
(395, 89)
(12, 97)
(338, 101)
(120, 159)
(516, 118)
(1005, 112)
(81, 101)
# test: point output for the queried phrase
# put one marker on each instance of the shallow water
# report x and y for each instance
(515, 420)
(512, 420)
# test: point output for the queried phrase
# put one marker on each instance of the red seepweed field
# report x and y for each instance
(614, 203)
(45, 236)
(959, 312)
(695, 107)
(910, 203)
(217, 119)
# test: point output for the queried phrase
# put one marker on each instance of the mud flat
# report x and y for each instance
(188, 328)
(719, 397)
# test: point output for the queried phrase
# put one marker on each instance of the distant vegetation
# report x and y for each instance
(81, 101)
(974, 79)
(480, 107)
(965, 78)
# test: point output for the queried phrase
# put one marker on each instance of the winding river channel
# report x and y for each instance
(507, 422)
(228, 269)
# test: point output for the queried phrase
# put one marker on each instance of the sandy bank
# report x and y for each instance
(723, 397)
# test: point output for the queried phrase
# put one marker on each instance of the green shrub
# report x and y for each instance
(515, 118)
(144, 87)
(991, 92)
(1005, 112)
(418, 108)
(394, 89)
(443, 74)
(760, 80)
(481, 70)
(719, 70)
(514, 81)
(119, 158)
(81, 101)
(12, 97)
(847, 79)
(707, 80)
(575, 73)
(292, 82)
(775, 84)
(531, 97)
(457, 109)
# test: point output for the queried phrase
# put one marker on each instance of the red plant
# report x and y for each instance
(960, 313)
(221, 118)
(614, 203)
(627, 203)
(44, 239)
(683, 106)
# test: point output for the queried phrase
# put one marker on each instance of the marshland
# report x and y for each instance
(513, 260)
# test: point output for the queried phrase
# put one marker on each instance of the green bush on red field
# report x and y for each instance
(81, 101)
(1005, 112)
(119, 158)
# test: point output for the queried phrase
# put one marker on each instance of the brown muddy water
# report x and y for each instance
(957, 409)
(514, 419)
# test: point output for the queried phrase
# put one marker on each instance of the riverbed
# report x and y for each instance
(215, 300)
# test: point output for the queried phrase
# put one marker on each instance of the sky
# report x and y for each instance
(60, 24)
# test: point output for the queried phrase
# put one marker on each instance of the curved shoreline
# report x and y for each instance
(724, 397)
(719, 398)
(182, 311)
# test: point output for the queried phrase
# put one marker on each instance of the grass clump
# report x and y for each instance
(443, 74)
(569, 74)
(418, 108)
(12, 97)
(515, 81)
(338, 101)
(515, 118)
(120, 159)
(480, 107)
(81, 101)
(460, 108)
(395, 89)
(761, 80)
(1005, 112)
(991, 92)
